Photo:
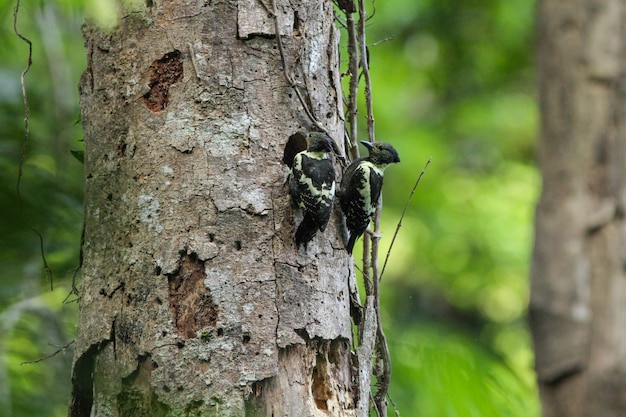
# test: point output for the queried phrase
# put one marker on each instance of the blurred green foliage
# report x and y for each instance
(455, 81)
(452, 80)
(34, 321)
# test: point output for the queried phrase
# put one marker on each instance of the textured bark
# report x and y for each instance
(578, 293)
(194, 299)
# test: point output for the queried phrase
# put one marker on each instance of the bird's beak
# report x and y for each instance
(367, 144)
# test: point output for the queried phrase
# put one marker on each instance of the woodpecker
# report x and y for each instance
(361, 185)
(312, 186)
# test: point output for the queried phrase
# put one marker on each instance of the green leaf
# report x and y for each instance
(80, 155)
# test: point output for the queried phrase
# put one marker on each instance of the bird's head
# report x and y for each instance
(319, 142)
(381, 153)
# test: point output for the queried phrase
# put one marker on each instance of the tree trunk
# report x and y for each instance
(578, 297)
(195, 300)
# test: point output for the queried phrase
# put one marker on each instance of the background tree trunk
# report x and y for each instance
(578, 300)
(194, 300)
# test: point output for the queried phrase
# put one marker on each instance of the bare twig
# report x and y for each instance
(367, 280)
(406, 206)
(42, 252)
(74, 289)
(25, 97)
(373, 11)
(376, 410)
(365, 68)
(25, 141)
(393, 404)
(353, 71)
(365, 352)
(53, 354)
(383, 40)
(383, 370)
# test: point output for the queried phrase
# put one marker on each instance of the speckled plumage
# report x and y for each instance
(361, 186)
(312, 186)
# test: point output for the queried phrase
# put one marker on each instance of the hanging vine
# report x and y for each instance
(372, 351)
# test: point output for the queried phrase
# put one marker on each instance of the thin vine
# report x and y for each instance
(25, 141)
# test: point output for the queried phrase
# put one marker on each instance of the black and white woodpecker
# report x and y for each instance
(312, 186)
(361, 185)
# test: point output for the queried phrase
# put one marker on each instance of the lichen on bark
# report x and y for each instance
(194, 299)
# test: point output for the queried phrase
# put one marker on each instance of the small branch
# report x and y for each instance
(393, 404)
(367, 281)
(25, 97)
(353, 71)
(383, 370)
(59, 350)
(366, 72)
(46, 267)
(406, 206)
(383, 40)
(74, 289)
(25, 141)
(365, 353)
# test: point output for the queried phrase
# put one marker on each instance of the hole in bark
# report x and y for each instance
(163, 73)
(121, 149)
(191, 303)
(238, 245)
(220, 332)
(302, 333)
(320, 389)
(245, 339)
(295, 144)
(337, 348)
(211, 237)
(82, 383)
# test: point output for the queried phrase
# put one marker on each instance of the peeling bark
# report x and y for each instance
(195, 300)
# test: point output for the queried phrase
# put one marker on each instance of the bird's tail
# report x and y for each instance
(351, 242)
(306, 230)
